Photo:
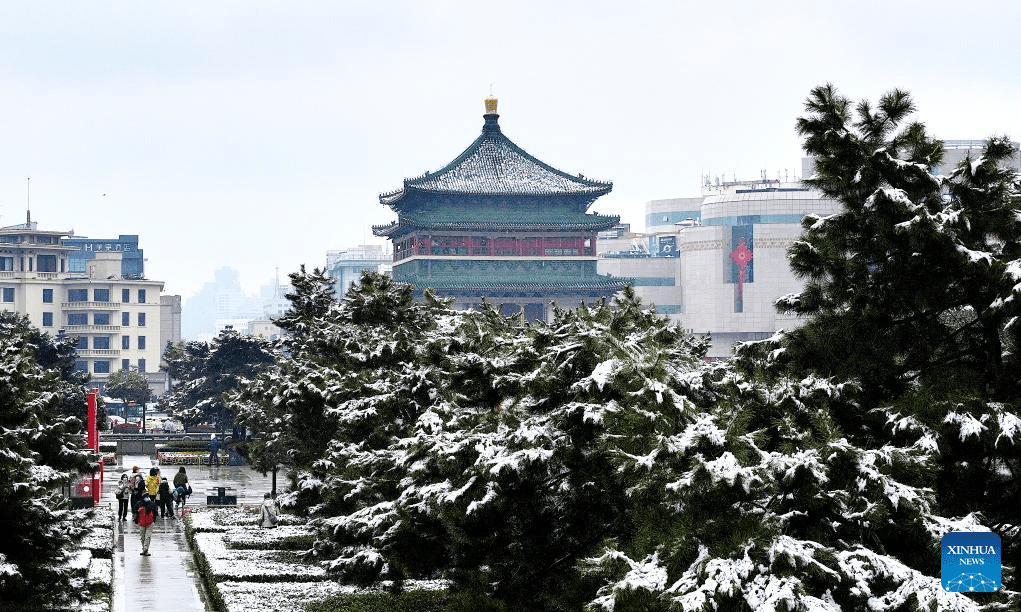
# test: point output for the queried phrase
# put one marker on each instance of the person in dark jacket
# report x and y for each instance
(164, 499)
(181, 478)
(137, 492)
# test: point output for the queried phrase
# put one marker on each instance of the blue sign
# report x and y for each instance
(970, 562)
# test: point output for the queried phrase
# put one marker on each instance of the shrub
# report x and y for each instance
(412, 601)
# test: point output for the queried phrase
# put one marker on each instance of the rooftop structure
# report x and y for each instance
(499, 223)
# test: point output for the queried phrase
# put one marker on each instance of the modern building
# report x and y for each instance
(132, 258)
(733, 261)
(117, 320)
(345, 266)
(497, 223)
(717, 263)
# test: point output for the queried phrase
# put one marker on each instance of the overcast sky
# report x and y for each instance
(259, 135)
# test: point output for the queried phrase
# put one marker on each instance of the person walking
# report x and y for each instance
(152, 483)
(214, 450)
(269, 511)
(123, 495)
(137, 487)
(146, 517)
(164, 499)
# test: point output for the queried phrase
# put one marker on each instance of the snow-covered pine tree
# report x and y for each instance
(207, 373)
(769, 507)
(913, 291)
(40, 450)
(542, 479)
(349, 388)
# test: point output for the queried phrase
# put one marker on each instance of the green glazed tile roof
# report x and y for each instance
(493, 165)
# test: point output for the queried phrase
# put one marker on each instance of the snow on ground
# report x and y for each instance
(253, 572)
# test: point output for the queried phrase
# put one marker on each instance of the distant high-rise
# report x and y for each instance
(500, 224)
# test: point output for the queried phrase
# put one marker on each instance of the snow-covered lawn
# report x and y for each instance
(252, 568)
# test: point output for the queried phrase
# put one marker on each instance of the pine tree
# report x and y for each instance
(208, 373)
(39, 452)
(912, 293)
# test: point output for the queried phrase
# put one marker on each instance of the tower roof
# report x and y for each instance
(495, 166)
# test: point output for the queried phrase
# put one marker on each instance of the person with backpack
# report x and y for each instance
(146, 518)
(123, 495)
(269, 511)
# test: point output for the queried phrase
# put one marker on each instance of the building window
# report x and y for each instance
(141, 319)
(47, 319)
(125, 319)
(8, 294)
(47, 263)
(83, 342)
(125, 364)
(7, 264)
(125, 343)
(101, 318)
(141, 342)
(141, 296)
(101, 295)
(101, 342)
(101, 367)
(77, 318)
(141, 365)
(125, 295)
(81, 366)
(77, 295)
(48, 296)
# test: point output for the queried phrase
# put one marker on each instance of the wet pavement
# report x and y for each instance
(167, 579)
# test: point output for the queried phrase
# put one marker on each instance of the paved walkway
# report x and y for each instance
(167, 579)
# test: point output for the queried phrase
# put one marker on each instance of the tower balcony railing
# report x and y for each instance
(99, 352)
(90, 305)
(72, 329)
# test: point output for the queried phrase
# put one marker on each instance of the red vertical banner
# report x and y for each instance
(93, 435)
(93, 441)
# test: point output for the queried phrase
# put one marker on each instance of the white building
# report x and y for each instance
(117, 320)
(345, 266)
(716, 264)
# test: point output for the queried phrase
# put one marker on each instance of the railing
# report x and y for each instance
(91, 305)
(99, 352)
(91, 328)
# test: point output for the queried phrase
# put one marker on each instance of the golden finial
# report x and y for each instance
(491, 104)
